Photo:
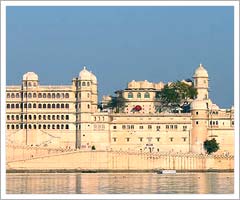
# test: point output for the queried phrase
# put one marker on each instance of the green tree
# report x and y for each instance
(174, 95)
(211, 146)
(117, 103)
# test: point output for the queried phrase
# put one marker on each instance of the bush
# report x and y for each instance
(211, 146)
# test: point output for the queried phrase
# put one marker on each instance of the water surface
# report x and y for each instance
(120, 183)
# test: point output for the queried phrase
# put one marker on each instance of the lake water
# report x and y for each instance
(120, 183)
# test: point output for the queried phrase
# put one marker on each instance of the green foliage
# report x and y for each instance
(211, 146)
(117, 103)
(173, 95)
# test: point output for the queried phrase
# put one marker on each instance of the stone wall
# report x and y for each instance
(112, 160)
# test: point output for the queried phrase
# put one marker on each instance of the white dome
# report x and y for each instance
(30, 76)
(87, 75)
(198, 105)
(200, 72)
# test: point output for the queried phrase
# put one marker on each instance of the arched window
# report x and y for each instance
(53, 105)
(62, 105)
(53, 95)
(30, 126)
(17, 126)
(25, 95)
(34, 95)
(17, 117)
(58, 105)
(62, 95)
(39, 95)
(17, 105)
(39, 117)
(8, 117)
(67, 105)
(67, 126)
(49, 117)
(83, 84)
(130, 95)
(66, 95)
(25, 105)
(34, 105)
(88, 84)
(88, 106)
(62, 126)
(8, 95)
(8, 126)
(29, 84)
(17, 95)
(25, 126)
(34, 126)
(53, 117)
(49, 95)
(12, 95)
(58, 126)
(88, 95)
(8, 105)
(39, 126)
(48, 126)
(30, 117)
(139, 95)
(34, 117)
(67, 117)
(58, 117)
(147, 95)
(49, 105)
(44, 117)
(39, 105)
(29, 105)
(44, 105)
(58, 95)
(29, 95)
(62, 117)
(34, 84)
(53, 126)
(12, 117)
(12, 106)
(44, 126)
(12, 126)
(44, 95)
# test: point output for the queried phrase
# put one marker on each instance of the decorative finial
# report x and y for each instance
(84, 67)
(200, 64)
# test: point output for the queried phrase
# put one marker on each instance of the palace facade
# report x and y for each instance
(68, 117)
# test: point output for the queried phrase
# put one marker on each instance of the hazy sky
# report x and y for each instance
(120, 44)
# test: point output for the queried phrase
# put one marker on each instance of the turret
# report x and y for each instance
(201, 82)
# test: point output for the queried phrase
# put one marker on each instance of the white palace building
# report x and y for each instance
(57, 116)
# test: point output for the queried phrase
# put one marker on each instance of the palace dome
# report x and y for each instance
(30, 76)
(87, 75)
(200, 72)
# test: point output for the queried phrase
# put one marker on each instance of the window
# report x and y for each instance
(171, 139)
(62, 117)
(49, 117)
(140, 127)
(132, 126)
(130, 95)
(67, 117)
(39, 126)
(30, 117)
(49, 105)
(12, 117)
(44, 95)
(39, 117)
(114, 127)
(66, 95)
(158, 139)
(8, 117)
(8, 95)
(58, 105)
(34, 105)
(17, 105)
(53, 95)
(34, 117)
(58, 96)
(147, 95)
(184, 128)
(12, 126)
(62, 95)
(44, 105)
(53, 126)
(44, 117)
(62, 105)
(67, 126)
(17, 95)
(184, 139)
(12, 105)
(149, 126)
(48, 126)
(39, 95)
(196, 113)
(128, 139)
(34, 126)
(88, 84)
(196, 122)
(30, 126)
(8, 105)
(53, 105)
(83, 84)
(39, 105)
(44, 126)
(58, 126)
(158, 128)
(139, 95)
(175, 126)
(58, 117)
(62, 126)
(123, 126)
(141, 139)
(12, 95)
(29, 105)
(67, 105)
(49, 95)
(88, 106)
(34, 95)
(114, 139)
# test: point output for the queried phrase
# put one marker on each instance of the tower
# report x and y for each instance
(201, 82)
(86, 104)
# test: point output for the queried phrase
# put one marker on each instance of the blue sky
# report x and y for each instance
(120, 44)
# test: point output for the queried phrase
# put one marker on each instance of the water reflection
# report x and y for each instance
(120, 183)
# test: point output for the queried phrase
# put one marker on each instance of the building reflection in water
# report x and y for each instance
(120, 183)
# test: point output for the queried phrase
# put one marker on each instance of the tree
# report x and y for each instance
(211, 146)
(175, 95)
(117, 103)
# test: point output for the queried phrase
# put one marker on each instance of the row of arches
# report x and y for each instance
(139, 95)
(38, 126)
(39, 95)
(38, 117)
(39, 105)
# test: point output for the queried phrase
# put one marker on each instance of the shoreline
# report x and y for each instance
(12, 171)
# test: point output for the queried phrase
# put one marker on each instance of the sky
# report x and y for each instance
(120, 44)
